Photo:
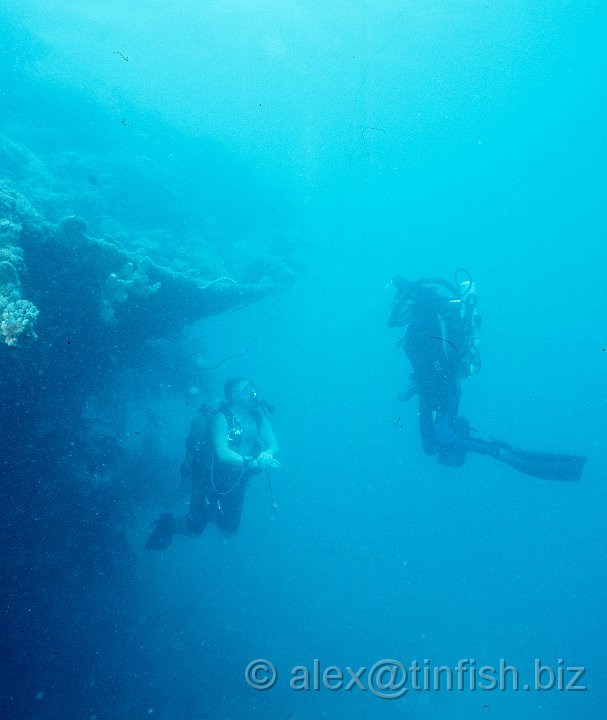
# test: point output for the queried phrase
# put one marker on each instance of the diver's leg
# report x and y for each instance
(201, 508)
(483, 447)
(452, 438)
(452, 399)
(452, 432)
(455, 442)
(167, 525)
(194, 523)
(426, 426)
(228, 517)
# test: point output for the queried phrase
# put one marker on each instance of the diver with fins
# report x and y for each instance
(226, 447)
(442, 344)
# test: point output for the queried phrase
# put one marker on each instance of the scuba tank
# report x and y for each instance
(464, 323)
(472, 325)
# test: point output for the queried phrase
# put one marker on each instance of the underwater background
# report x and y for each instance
(195, 191)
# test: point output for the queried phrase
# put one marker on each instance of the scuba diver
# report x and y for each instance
(442, 344)
(224, 449)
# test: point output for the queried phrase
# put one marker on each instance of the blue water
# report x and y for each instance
(346, 142)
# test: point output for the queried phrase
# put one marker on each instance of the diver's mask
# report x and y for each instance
(249, 393)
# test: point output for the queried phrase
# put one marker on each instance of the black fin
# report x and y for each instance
(549, 466)
(162, 536)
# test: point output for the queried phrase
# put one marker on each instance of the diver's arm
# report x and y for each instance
(266, 436)
(219, 433)
(266, 457)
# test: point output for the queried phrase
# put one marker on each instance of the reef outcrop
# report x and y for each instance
(56, 278)
(17, 315)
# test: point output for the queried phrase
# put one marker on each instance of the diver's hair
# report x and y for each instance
(231, 384)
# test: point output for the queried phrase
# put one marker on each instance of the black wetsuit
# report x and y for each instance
(218, 489)
(435, 346)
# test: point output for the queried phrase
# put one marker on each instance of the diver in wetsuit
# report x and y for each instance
(223, 450)
(433, 343)
(441, 343)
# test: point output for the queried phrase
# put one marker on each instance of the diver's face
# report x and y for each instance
(245, 394)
